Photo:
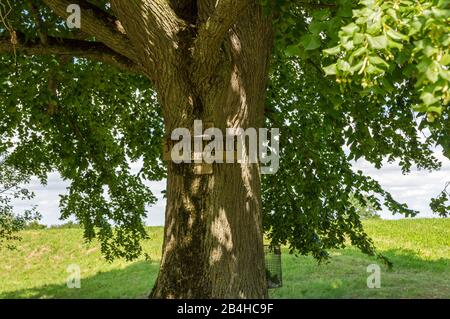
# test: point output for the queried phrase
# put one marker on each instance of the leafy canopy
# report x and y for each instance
(11, 189)
(350, 80)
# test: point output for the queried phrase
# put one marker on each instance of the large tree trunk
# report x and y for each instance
(213, 245)
(213, 239)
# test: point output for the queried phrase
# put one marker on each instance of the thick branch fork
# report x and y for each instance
(69, 47)
(96, 23)
(147, 32)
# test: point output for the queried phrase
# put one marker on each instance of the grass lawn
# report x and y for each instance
(419, 248)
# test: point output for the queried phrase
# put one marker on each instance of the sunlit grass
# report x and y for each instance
(420, 250)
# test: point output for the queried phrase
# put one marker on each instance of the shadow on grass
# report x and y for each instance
(345, 276)
(133, 281)
(405, 258)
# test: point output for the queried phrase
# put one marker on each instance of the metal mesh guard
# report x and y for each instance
(273, 266)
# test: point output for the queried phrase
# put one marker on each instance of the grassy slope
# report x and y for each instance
(419, 248)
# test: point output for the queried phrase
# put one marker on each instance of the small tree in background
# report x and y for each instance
(366, 210)
(11, 189)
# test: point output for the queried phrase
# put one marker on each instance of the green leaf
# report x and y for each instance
(345, 9)
(432, 72)
(428, 98)
(440, 13)
(435, 109)
(330, 70)
(395, 35)
(322, 14)
(343, 66)
(311, 42)
(372, 69)
(430, 50)
(356, 67)
(445, 74)
(292, 50)
(415, 27)
(379, 42)
(332, 51)
(392, 13)
(445, 60)
(423, 65)
(316, 27)
(350, 29)
(387, 85)
(395, 45)
(420, 108)
(358, 52)
(358, 38)
(348, 45)
(377, 60)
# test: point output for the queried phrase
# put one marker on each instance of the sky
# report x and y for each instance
(415, 189)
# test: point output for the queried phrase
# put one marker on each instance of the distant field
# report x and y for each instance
(420, 250)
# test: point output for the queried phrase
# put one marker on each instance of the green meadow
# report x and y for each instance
(419, 249)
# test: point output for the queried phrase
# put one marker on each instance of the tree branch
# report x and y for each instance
(152, 27)
(103, 15)
(211, 33)
(186, 10)
(43, 36)
(318, 5)
(40, 25)
(69, 47)
(100, 6)
(99, 24)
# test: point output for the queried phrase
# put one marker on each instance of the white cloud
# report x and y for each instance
(47, 200)
(416, 189)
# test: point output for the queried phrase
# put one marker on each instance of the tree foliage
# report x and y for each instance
(330, 119)
(11, 188)
(349, 80)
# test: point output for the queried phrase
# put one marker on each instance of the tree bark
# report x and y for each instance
(213, 238)
(207, 62)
